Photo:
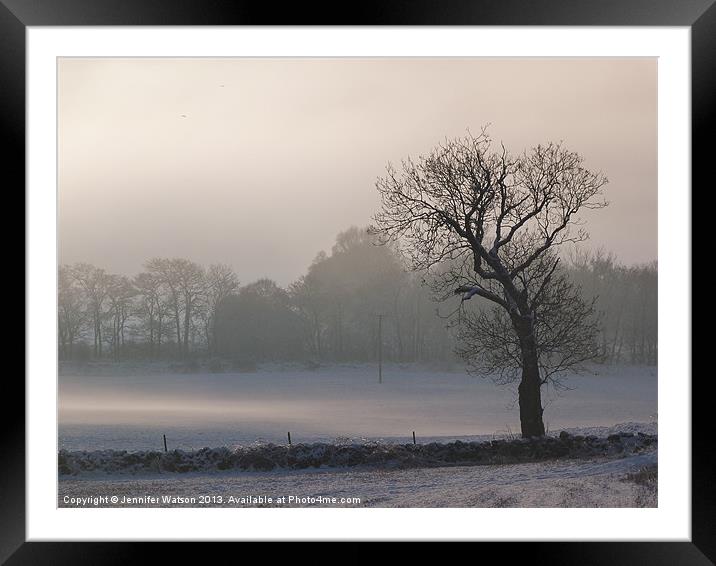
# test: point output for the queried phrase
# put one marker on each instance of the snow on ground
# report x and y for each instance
(265, 457)
(115, 409)
(111, 410)
(566, 483)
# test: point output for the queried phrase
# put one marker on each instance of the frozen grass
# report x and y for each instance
(565, 483)
(268, 457)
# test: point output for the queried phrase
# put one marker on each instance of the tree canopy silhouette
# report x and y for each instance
(488, 223)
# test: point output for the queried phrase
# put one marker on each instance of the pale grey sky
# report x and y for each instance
(259, 163)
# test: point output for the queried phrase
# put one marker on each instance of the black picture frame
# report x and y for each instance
(17, 15)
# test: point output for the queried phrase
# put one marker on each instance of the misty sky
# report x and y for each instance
(259, 163)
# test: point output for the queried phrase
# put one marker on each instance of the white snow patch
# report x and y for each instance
(566, 483)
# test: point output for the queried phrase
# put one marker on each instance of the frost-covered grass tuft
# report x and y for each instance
(647, 476)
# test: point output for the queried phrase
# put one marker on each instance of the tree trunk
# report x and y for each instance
(99, 338)
(317, 335)
(187, 322)
(151, 336)
(177, 319)
(529, 390)
(530, 401)
(209, 339)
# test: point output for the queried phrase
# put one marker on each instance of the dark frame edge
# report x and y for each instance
(12, 133)
(14, 549)
(703, 455)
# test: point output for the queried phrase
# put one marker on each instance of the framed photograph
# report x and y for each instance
(419, 275)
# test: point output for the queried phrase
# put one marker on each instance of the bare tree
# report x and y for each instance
(566, 329)
(70, 311)
(627, 302)
(221, 282)
(499, 217)
(161, 269)
(306, 295)
(120, 293)
(94, 283)
(189, 278)
(150, 308)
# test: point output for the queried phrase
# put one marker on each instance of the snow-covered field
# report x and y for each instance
(565, 483)
(133, 411)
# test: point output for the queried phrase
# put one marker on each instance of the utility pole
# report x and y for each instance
(380, 348)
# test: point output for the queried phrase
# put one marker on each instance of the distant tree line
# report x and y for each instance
(627, 302)
(167, 310)
(179, 309)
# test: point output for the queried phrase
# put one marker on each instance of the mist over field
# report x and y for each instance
(197, 410)
(265, 360)
(347, 256)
